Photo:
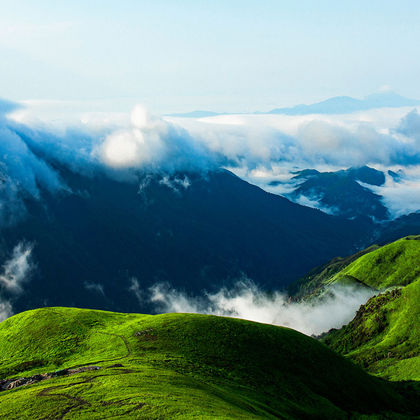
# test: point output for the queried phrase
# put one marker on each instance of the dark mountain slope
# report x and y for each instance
(402, 226)
(195, 231)
(341, 193)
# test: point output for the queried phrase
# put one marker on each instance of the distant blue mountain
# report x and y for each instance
(346, 104)
(335, 105)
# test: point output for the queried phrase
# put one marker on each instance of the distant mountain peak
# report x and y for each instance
(347, 104)
(334, 105)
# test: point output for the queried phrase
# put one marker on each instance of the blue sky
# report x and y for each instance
(176, 56)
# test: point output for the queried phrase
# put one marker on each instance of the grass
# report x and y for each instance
(314, 282)
(395, 264)
(384, 336)
(182, 366)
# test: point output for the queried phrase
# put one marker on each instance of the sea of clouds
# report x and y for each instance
(259, 148)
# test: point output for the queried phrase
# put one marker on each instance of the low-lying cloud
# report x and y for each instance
(6, 310)
(94, 287)
(15, 272)
(136, 289)
(334, 309)
(400, 196)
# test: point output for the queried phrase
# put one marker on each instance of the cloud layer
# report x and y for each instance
(387, 137)
(154, 144)
(260, 148)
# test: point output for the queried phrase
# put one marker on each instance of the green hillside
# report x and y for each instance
(395, 264)
(179, 366)
(315, 281)
(384, 336)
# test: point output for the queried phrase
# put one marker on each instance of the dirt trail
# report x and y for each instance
(78, 401)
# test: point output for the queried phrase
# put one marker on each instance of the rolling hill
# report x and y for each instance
(73, 363)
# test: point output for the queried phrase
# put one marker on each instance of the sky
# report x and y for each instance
(226, 56)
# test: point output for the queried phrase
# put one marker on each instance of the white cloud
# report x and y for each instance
(16, 270)
(175, 183)
(6, 310)
(154, 144)
(94, 287)
(400, 197)
(315, 203)
(337, 306)
(135, 289)
(368, 137)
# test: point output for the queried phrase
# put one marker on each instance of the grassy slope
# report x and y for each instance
(384, 337)
(395, 264)
(314, 282)
(181, 366)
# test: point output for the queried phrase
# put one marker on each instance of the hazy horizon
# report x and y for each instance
(220, 56)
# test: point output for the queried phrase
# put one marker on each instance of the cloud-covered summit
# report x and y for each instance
(154, 144)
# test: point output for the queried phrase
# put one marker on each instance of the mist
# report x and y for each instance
(401, 196)
(6, 310)
(245, 300)
(15, 272)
